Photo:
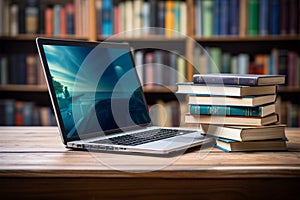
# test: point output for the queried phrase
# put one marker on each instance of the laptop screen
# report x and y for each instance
(96, 87)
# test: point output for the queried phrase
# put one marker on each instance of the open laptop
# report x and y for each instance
(98, 100)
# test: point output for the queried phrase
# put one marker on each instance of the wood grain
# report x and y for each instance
(35, 164)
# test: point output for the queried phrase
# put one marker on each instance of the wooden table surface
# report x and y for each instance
(34, 164)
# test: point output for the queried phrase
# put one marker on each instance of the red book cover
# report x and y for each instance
(49, 21)
(18, 113)
(116, 19)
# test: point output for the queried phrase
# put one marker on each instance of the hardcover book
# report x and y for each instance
(258, 111)
(239, 79)
(225, 90)
(231, 120)
(263, 145)
(246, 133)
(232, 101)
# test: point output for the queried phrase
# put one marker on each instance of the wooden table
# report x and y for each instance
(35, 165)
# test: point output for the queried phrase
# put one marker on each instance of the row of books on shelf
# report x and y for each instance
(44, 17)
(21, 113)
(21, 69)
(290, 113)
(278, 62)
(160, 68)
(139, 15)
(245, 103)
(246, 17)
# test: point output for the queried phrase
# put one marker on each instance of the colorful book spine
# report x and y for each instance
(31, 16)
(253, 17)
(263, 17)
(224, 13)
(207, 16)
(107, 18)
(217, 17)
(169, 20)
(234, 17)
(226, 110)
(274, 28)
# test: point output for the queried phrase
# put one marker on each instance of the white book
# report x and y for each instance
(14, 19)
(137, 19)
(129, 18)
(183, 18)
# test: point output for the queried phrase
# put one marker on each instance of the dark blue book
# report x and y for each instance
(7, 107)
(161, 16)
(217, 17)
(234, 17)
(263, 17)
(107, 18)
(21, 70)
(274, 24)
(239, 79)
(224, 20)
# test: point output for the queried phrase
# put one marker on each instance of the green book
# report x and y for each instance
(258, 111)
(253, 13)
(207, 16)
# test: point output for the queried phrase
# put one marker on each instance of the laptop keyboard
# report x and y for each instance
(143, 137)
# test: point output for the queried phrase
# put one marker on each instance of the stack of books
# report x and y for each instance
(239, 110)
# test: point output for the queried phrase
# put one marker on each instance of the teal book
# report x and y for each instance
(228, 145)
(253, 15)
(258, 111)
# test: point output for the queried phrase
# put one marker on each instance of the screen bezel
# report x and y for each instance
(49, 41)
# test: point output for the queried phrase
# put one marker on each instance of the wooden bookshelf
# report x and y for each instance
(252, 45)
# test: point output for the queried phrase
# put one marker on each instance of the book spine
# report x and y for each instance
(14, 23)
(22, 17)
(243, 13)
(217, 17)
(284, 16)
(224, 13)
(253, 13)
(31, 16)
(226, 110)
(161, 17)
(169, 20)
(137, 18)
(183, 18)
(234, 17)
(177, 17)
(70, 19)
(41, 18)
(198, 18)
(146, 18)
(293, 16)
(56, 19)
(98, 17)
(207, 16)
(49, 21)
(250, 81)
(263, 17)
(274, 17)
(107, 27)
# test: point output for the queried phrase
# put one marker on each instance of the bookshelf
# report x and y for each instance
(233, 43)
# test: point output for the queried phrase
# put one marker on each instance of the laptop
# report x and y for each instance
(98, 100)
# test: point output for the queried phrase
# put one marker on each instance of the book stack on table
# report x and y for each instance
(239, 110)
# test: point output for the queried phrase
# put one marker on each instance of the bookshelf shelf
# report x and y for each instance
(23, 88)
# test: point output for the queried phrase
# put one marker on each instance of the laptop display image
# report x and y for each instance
(99, 103)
